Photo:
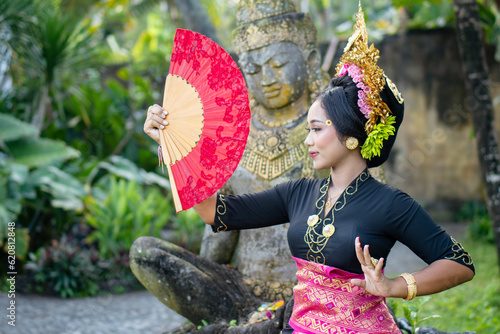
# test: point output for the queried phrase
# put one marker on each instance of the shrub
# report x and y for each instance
(479, 222)
(188, 230)
(127, 212)
(65, 269)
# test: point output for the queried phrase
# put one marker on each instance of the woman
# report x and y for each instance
(342, 227)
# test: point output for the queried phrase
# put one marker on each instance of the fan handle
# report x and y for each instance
(173, 186)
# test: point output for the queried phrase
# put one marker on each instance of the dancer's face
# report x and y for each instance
(325, 147)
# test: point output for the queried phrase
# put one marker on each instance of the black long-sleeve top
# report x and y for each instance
(379, 214)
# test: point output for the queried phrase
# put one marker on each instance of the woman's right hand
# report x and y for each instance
(155, 120)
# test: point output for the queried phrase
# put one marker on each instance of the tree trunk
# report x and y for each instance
(470, 42)
(196, 18)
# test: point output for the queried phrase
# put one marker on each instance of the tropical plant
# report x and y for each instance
(412, 311)
(127, 212)
(61, 48)
(12, 192)
(478, 221)
(124, 168)
(19, 140)
(65, 268)
(188, 230)
(21, 149)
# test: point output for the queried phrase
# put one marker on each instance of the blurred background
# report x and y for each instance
(80, 178)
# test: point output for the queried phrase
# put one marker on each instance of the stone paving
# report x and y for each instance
(136, 312)
(131, 313)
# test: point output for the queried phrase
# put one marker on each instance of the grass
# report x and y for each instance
(473, 306)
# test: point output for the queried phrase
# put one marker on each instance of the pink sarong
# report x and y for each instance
(325, 301)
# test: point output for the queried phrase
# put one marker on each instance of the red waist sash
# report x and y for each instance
(325, 301)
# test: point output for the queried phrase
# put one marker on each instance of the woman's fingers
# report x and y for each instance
(359, 282)
(157, 110)
(158, 121)
(363, 254)
(367, 258)
(155, 120)
(375, 281)
(380, 264)
(359, 251)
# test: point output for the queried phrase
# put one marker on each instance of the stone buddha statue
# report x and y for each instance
(281, 64)
(278, 55)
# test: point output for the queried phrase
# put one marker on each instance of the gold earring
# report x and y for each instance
(351, 143)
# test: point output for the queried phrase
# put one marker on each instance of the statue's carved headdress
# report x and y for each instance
(360, 62)
(264, 22)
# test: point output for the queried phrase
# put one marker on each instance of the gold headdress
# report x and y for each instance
(360, 62)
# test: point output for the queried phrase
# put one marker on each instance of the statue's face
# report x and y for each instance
(276, 74)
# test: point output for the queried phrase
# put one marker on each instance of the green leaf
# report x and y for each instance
(67, 192)
(11, 128)
(427, 318)
(122, 167)
(22, 243)
(408, 316)
(40, 151)
(4, 221)
(153, 178)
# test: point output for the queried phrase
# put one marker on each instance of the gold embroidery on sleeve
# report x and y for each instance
(221, 211)
(459, 253)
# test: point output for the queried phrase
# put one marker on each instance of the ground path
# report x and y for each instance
(136, 312)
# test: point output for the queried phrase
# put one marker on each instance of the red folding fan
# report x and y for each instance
(209, 117)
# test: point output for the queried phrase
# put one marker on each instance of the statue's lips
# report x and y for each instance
(272, 93)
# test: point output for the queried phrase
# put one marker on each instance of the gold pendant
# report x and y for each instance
(328, 230)
(328, 204)
(312, 220)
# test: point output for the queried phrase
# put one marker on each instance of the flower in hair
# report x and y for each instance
(375, 141)
(353, 71)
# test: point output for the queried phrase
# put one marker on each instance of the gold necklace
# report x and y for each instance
(329, 201)
(317, 240)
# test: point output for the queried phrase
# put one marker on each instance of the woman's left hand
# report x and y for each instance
(375, 281)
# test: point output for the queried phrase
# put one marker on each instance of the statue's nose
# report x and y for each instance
(268, 75)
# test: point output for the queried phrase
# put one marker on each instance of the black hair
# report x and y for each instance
(340, 100)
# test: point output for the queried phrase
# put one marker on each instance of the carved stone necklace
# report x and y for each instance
(259, 111)
(320, 230)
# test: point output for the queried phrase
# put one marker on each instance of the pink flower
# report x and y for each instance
(343, 70)
(357, 77)
(366, 111)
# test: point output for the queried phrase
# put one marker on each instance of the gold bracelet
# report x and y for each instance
(411, 285)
